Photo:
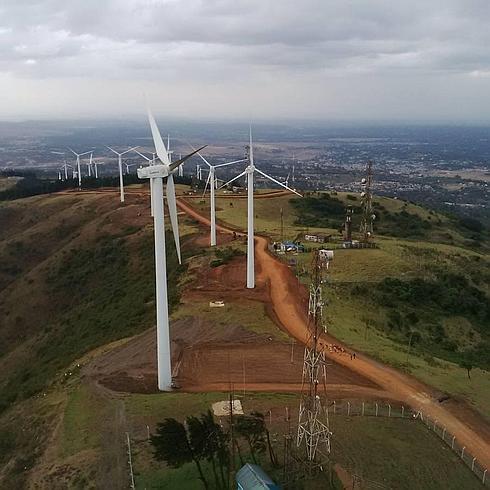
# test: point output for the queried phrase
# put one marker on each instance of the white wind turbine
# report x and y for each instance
(211, 181)
(96, 171)
(89, 165)
(65, 166)
(79, 172)
(249, 172)
(157, 172)
(119, 160)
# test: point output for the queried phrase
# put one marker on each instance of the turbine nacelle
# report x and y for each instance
(154, 172)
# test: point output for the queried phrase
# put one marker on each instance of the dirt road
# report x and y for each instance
(291, 313)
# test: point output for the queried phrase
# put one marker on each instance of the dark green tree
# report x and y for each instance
(172, 444)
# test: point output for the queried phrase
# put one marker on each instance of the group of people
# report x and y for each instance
(338, 349)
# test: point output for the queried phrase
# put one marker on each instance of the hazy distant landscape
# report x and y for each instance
(447, 167)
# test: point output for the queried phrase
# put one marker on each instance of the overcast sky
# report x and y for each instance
(425, 60)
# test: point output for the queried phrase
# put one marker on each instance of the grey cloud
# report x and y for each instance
(211, 42)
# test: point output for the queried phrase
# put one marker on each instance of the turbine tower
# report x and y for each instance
(211, 181)
(157, 172)
(79, 172)
(119, 160)
(249, 172)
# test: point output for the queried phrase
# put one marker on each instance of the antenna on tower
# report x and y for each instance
(313, 426)
(368, 215)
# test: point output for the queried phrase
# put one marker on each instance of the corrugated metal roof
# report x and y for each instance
(253, 477)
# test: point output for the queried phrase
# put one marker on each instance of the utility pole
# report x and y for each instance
(313, 426)
(282, 225)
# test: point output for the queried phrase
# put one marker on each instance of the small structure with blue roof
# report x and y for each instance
(253, 477)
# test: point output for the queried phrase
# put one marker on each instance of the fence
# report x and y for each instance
(384, 409)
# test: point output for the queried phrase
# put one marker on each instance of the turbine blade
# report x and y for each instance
(277, 182)
(144, 156)
(130, 149)
(157, 140)
(174, 165)
(232, 180)
(207, 183)
(113, 151)
(251, 151)
(230, 163)
(172, 211)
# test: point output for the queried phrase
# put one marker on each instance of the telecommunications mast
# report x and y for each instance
(313, 426)
(368, 216)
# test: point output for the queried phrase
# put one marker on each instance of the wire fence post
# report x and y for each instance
(130, 461)
(376, 409)
(334, 407)
(148, 432)
(483, 477)
(443, 433)
(348, 408)
(362, 408)
(462, 452)
(403, 411)
(389, 410)
(473, 464)
(435, 424)
(452, 443)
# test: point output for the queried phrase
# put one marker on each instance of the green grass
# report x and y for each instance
(80, 421)
(346, 317)
(401, 454)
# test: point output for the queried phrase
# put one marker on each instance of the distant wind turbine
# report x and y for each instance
(159, 171)
(119, 160)
(65, 166)
(79, 172)
(211, 181)
(249, 172)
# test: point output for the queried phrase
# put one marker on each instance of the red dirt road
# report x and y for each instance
(291, 314)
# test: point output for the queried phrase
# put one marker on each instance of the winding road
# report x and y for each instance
(291, 314)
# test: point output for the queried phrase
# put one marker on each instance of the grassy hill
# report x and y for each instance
(76, 278)
(77, 273)
(428, 279)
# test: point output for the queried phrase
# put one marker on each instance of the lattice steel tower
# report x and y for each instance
(313, 427)
(368, 216)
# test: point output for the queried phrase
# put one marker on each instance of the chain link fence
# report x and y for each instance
(384, 409)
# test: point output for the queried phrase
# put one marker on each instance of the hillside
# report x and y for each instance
(76, 290)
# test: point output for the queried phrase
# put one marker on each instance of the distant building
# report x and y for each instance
(317, 238)
(253, 477)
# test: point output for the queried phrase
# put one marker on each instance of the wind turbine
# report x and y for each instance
(249, 172)
(157, 172)
(89, 165)
(96, 163)
(211, 181)
(119, 160)
(79, 172)
(65, 165)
